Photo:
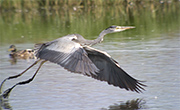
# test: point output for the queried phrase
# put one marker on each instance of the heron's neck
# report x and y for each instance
(100, 38)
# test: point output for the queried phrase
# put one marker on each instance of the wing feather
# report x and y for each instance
(68, 54)
(111, 72)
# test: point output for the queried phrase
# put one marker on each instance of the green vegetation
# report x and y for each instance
(42, 20)
(57, 4)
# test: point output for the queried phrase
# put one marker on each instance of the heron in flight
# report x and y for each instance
(74, 53)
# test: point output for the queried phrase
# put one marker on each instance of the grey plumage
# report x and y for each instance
(69, 54)
(111, 72)
(74, 53)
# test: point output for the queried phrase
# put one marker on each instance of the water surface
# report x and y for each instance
(154, 61)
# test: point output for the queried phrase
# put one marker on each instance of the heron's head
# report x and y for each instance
(114, 28)
(12, 48)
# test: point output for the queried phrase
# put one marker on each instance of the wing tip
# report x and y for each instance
(139, 86)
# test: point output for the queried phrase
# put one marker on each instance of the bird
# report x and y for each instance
(75, 54)
(22, 54)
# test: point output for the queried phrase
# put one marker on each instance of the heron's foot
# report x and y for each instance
(6, 93)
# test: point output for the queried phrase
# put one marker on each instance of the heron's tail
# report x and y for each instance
(37, 47)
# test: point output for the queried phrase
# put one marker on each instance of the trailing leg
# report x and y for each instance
(15, 76)
(7, 92)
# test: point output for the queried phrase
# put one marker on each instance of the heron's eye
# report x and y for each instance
(118, 27)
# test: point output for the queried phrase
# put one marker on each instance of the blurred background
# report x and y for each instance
(150, 52)
(34, 21)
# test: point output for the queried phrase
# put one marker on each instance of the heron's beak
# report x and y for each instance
(122, 28)
(126, 27)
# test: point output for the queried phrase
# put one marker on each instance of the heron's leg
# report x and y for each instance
(15, 76)
(7, 92)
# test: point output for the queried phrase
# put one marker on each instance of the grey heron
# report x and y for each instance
(74, 53)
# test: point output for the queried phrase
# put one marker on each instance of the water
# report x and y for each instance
(155, 61)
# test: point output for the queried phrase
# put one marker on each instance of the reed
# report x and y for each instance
(16, 5)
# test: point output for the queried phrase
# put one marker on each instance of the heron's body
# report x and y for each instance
(78, 57)
(74, 53)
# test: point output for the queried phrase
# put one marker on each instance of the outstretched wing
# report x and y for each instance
(68, 54)
(111, 72)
